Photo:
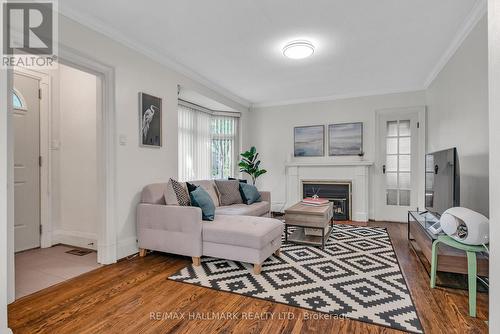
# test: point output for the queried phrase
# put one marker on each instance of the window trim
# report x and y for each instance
(197, 107)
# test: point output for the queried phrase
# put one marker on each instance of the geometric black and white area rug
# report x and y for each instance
(357, 275)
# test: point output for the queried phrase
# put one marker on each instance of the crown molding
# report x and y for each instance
(100, 27)
(478, 11)
(335, 97)
(476, 14)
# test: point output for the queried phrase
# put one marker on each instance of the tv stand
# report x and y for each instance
(450, 260)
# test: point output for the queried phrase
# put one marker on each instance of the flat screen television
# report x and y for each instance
(442, 181)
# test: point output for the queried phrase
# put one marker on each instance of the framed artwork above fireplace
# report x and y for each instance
(345, 139)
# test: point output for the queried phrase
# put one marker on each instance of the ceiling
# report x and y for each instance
(363, 47)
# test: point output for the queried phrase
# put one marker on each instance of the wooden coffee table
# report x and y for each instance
(307, 216)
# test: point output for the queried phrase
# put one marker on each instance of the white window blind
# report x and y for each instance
(208, 144)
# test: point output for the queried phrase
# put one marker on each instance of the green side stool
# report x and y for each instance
(471, 264)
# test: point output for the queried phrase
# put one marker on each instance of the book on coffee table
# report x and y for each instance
(315, 201)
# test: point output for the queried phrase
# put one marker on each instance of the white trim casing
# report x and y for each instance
(6, 244)
(494, 160)
(106, 149)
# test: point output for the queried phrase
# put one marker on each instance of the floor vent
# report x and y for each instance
(79, 252)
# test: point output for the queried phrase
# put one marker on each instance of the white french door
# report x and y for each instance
(397, 170)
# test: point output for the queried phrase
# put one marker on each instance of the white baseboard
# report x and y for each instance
(126, 247)
(75, 238)
(277, 206)
(360, 217)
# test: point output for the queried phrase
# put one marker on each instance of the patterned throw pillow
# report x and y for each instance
(229, 192)
(181, 193)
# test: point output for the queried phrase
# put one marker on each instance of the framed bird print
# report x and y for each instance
(150, 120)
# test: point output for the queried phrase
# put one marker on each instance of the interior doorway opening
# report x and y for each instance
(56, 175)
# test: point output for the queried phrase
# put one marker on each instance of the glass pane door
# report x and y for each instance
(398, 163)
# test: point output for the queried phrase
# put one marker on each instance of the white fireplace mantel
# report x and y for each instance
(333, 163)
(356, 172)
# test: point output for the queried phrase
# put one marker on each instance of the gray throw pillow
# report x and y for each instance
(181, 193)
(229, 192)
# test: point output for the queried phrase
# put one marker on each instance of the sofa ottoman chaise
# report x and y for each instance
(239, 232)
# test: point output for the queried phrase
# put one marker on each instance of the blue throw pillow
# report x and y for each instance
(249, 193)
(200, 198)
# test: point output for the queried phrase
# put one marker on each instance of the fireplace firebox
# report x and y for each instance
(337, 192)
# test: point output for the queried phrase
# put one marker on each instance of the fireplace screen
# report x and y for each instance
(337, 193)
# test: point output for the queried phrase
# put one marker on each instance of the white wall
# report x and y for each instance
(136, 166)
(270, 129)
(74, 157)
(494, 123)
(457, 111)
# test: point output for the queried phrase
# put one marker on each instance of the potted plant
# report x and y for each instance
(250, 165)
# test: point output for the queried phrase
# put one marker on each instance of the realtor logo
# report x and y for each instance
(28, 33)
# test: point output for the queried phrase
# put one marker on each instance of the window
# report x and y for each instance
(16, 101)
(224, 136)
(208, 144)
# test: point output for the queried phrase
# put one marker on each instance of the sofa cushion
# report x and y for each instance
(241, 180)
(154, 193)
(209, 186)
(244, 231)
(254, 209)
(180, 192)
(229, 192)
(200, 198)
(249, 193)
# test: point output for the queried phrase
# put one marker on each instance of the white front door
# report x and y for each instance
(397, 168)
(26, 122)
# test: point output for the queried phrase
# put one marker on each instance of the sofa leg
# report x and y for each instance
(142, 252)
(277, 252)
(257, 269)
(196, 260)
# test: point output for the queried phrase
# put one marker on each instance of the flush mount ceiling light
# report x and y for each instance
(298, 49)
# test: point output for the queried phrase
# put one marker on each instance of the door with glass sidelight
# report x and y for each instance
(397, 166)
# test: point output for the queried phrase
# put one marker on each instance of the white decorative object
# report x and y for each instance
(466, 226)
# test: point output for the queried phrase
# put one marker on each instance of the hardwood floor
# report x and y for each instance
(122, 297)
